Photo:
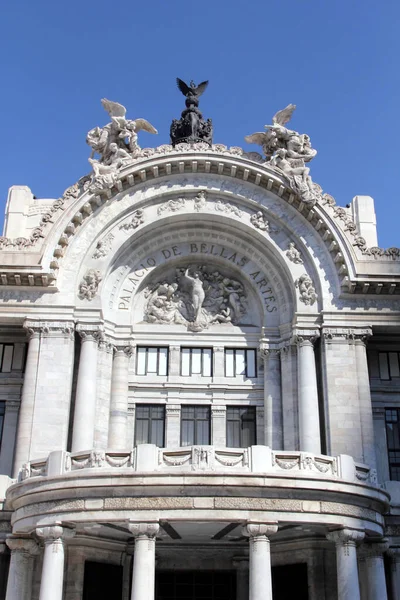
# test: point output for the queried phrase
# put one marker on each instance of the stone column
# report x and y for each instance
(309, 428)
(273, 429)
(117, 432)
(85, 399)
(23, 442)
(394, 554)
(260, 585)
(362, 576)
(364, 394)
(218, 425)
(144, 560)
(51, 585)
(19, 584)
(172, 425)
(241, 564)
(9, 436)
(346, 562)
(375, 569)
(289, 381)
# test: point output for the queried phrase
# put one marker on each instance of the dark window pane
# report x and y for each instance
(149, 424)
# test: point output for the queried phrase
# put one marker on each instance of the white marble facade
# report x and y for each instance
(193, 379)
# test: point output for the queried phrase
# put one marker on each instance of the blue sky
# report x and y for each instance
(338, 60)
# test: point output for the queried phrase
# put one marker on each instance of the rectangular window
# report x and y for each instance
(195, 425)
(240, 426)
(196, 361)
(151, 361)
(392, 416)
(240, 362)
(6, 357)
(389, 366)
(149, 424)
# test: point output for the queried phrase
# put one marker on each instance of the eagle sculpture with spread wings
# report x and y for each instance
(192, 89)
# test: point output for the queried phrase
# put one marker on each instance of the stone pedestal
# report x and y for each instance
(273, 429)
(260, 583)
(117, 432)
(144, 560)
(309, 428)
(375, 569)
(51, 585)
(346, 559)
(85, 399)
(19, 584)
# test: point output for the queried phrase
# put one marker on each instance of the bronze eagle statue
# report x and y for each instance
(192, 89)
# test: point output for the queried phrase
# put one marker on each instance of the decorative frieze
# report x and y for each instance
(136, 220)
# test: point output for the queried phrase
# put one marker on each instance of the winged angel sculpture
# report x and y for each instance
(116, 143)
(288, 151)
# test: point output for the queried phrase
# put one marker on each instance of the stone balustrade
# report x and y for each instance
(208, 459)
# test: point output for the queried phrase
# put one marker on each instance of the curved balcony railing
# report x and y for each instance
(147, 458)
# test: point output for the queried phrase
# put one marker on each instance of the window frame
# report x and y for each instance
(392, 464)
(195, 420)
(246, 351)
(253, 410)
(147, 348)
(3, 346)
(388, 365)
(150, 419)
(202, 350)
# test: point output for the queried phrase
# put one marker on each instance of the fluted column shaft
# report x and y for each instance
(117, 432)
(144, 560)
(364, 393)
(309, 426)
(346, 559)
(19, 583)
(260, 581)
(85, 399)
(375, 569)
(51, 585)
(26, 410)
(273, 429)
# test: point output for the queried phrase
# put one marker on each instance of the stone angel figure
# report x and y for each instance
(121, 131)
(275, 134)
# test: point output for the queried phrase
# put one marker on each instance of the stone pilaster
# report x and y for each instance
(309, 426)
(394, 555)
(117, 433)
(54, 537)
(218, 425)
(219, 362)
(174, 361)
(273, 424)
(289, 378)
(144, 560)
(260, 583)
(49, 343)
(241, 564)
(373, 552)
(346, 561)
(360, 338)
(85, 399)
(19, 584)
(172, 425)
(103, 391)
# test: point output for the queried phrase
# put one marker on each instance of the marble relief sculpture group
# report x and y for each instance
(116, 143)
(195, 297)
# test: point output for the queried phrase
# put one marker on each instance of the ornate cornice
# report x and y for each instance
(49, 328)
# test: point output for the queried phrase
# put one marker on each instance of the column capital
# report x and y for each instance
(254, 530)
(124, 348)
(144, 530)
(91, 332)
(54, 533)
(305, 337)
(374, 549)
(49, 328)
(25, 545)
(344, 537)
(106, 345)
(268, 351)
(361, 336)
